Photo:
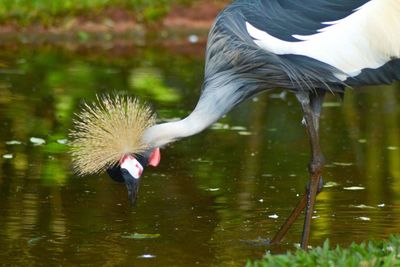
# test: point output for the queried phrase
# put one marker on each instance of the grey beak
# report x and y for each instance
(132, 184)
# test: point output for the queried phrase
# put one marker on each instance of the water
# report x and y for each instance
(215, 198)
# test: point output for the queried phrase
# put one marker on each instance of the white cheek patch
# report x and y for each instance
(132, 166)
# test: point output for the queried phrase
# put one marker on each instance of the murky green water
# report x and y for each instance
(213, 196)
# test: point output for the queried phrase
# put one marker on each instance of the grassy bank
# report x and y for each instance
(48, 12)
(373, 253)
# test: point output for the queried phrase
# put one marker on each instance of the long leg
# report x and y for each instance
(290, 220)
(311, 105)
(294, 215)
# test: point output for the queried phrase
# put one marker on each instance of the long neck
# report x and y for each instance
(164, 133)
(217, 98)
(220, 94)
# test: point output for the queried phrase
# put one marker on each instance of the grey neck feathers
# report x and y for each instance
(162, 134)
(216, 100)
(220, 94)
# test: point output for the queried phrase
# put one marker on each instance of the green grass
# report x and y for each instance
(373, 253)
(48, 11)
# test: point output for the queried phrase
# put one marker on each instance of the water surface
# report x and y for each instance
(215, 197)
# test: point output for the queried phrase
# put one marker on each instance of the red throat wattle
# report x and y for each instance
(155, 157)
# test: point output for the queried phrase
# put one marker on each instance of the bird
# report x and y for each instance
(306, 47)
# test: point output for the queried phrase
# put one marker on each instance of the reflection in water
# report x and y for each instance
(214, 198)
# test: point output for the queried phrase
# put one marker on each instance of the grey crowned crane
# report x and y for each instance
(307, 47)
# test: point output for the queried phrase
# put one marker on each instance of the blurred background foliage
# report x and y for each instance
(48, 11)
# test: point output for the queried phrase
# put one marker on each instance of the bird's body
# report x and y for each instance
(308, 47)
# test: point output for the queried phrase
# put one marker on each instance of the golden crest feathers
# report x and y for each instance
(106, 130)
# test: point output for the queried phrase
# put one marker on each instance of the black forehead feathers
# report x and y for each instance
(115, 173)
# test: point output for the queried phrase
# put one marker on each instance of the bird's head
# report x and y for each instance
(107, 136)
(130, 168)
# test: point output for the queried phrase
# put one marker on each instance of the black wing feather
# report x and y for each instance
(284, 18)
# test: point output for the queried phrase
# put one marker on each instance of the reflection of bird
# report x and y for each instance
(308, 47)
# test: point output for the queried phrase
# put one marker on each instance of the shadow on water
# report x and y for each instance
(215, 196)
